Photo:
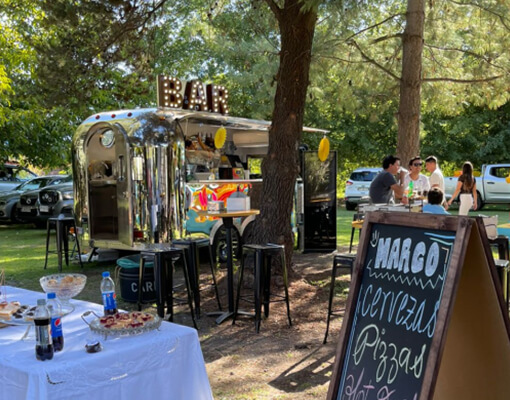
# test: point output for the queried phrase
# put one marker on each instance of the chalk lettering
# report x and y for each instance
(393, 259)
(391, 255)
(355, 389)
(381, 258)
(432, 260)
(387, 354)
(358, 392)
(405, 255)
(400, 308)
(417, 263)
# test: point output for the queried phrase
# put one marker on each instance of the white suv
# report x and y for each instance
(357, 186)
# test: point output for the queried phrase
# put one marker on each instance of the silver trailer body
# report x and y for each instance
(129, 171)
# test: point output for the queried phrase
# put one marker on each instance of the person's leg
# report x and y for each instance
(466, 203)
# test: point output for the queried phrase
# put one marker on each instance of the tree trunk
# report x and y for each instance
(281, 165)
(408, 139)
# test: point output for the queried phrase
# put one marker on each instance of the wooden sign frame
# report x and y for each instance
(480, 272)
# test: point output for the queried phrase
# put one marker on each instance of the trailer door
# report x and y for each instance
(109, 185)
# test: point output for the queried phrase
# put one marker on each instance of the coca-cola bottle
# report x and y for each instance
(55, 310)
(44, 344)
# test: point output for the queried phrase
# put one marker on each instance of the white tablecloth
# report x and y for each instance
(164, 364)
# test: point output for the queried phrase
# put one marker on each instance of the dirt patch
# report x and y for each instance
(280, 362)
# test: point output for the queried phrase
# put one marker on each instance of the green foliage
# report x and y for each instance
(479, 135)
(63, 60)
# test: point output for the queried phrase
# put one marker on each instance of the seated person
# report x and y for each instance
(420, 182)
(384, 184)
(435, 199)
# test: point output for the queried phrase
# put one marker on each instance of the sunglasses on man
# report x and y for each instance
(418, 164)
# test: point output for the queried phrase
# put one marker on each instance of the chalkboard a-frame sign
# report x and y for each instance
(426, 317)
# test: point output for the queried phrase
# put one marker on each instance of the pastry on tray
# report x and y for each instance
(7, 309)
(131, 320)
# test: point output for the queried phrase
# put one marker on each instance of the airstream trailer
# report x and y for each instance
(130, 173)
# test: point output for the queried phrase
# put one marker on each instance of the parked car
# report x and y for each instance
(56, 200)
(27, 208)
(357, 186)
(12, 174)
(491, 185)
(9, 199)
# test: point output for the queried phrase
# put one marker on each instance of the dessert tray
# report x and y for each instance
(15, 313)
(123, 323)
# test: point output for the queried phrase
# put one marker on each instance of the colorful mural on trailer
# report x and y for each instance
(198, 197)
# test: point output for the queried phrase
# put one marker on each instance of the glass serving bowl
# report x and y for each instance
(65, 286)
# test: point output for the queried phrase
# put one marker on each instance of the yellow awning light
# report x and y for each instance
(324, 149)
(220, 137)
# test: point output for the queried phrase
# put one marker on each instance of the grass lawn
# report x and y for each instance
(22, 253)
(278, 363)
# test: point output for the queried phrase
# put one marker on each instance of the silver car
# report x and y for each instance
(357, 186)
(27, 208)
(12, 175)
(9, 199)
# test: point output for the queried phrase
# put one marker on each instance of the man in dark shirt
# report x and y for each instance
(384, 184)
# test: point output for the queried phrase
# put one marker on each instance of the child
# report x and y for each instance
(435, 199)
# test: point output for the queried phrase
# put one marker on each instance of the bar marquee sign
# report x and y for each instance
(194, 95)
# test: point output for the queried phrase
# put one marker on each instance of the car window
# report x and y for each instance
(12, 173)
(33, 184)
(363, 176)
(500, 172)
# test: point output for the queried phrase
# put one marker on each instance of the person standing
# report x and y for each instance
(436, 178)
(420, 181)
(466, 186)
(384, 184)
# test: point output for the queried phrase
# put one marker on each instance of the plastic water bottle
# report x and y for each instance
(44, 344)
(411, 189)
(108, 292)
(55, 309)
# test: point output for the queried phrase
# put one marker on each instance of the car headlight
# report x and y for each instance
(67, 195)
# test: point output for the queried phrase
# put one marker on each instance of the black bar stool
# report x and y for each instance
(62, 228)
(339, 261)
(163, 258)
(191, 247)
(262, 279)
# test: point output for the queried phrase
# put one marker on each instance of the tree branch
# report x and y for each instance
(373, 62)
(470, 53)
(372, 26)
(277, 11)
(387, 37)
(490, 78)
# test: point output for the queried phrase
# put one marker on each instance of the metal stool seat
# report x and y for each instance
(262, 279)
(357, 223)
(191, 247)
(339, 261)
(62, 229)
(163, 259)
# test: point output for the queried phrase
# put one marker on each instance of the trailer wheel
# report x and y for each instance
(220, 244)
